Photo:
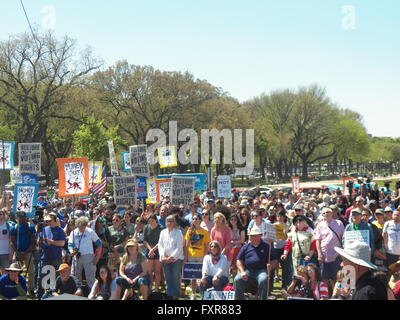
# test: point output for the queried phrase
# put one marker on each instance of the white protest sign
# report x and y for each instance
(124, 191)
(6, 155)
(113, 159)
(151, 191)
(29, 155)
(270, 232)
(182, 190)
(138, 160)
(224, 187)
(219, 295)
(360, 235)
(295, 184)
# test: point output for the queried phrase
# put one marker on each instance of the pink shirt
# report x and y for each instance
(328, 238)
(224, 237)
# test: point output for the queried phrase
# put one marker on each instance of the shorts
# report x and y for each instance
(155, 257)
(195, 259)
(141, 281)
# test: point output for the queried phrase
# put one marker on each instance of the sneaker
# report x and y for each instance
(192, 297)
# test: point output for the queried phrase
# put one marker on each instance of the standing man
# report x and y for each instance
(328, 235)
(5, 246)
(51, 242)
(23, 243)
(357, 224)
(391, 238)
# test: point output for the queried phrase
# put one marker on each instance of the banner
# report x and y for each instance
(29, 178)
(139, 164)
(141, 192)
(192, 271)
(295, 185)
(200, 180)
(182, 190)
(163, 189)
(224, 187)
(167, 157)
(73, 176)
(25, 198)
(219, 295)
(7, 155)
(124, 191)
(29, 157)
(151, 191)
(95, 169)
(126, 162)
(361, 235)
(113, 159)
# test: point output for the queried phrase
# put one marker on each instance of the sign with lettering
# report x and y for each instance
(167, 157)
(29, 157)
(126, 162)
(163, 189)
(219, 295)
(73, 176)
(182, 190)
(113, 159)
(295, 185)
(361, 235)
(124, 190)
(141, 192)
(95, 170)
(191, 271)
(25, 198)
(7, 155)
(224, 187)
(139, 164)
(151, 191)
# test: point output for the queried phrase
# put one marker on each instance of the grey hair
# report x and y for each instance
(82, 222)
(170, 218)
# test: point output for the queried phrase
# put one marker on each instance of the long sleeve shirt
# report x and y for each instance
(219, 269)
(171, 244)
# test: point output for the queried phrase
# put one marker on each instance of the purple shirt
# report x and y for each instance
(328, 238)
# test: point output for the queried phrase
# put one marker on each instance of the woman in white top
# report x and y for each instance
(215, 269)
(391, 238)
(170, 248)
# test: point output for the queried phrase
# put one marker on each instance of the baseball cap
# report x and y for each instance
(62, 267)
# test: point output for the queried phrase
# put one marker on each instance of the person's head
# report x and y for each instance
(255, 235)
(300, 222)
(359, 202)
(356, 217)
(105, 274)
(299, 210)
(388, 213)
(206, 214)
(214, 248)
(65, 271)
(170, 222)
(219, 220)
(196, 220)
(14, 271)
(339, 276)
(21, 217)
(116, 220)
(365, 215)
(256, 216)
(313, 272)
(245, 216)
(131, 250)
(163, 211)
(152, 220)
(327, 213)
(52, 219)
(127, 217)
(302, 272)
(82, 223)
(234, 222)
(68, 203)
(281, 216)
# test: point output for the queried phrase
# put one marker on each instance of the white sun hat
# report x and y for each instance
(357, 252)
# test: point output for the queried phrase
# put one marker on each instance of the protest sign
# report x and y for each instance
(141, 192)
(167, 157)
(95, 169)
(113, 159)
(163, 189)
(295, 185)
(224, 187)
(219, 295)
(151, 191)
(124, 191)
(270, 232)
(139, 164)
(28, 178)
(126, 162)
(7, 155)
(361, 235)
(25, 198)
(200, 182)
(73, 176)
(191, 271)
(29, 157)
(182, 190)
(15, 176)
(280, 231)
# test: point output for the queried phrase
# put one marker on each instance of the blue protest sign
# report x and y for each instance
(200, 180)
(191, 271)
(126, 162)
(25, 198)
(29, 178)
(141, 191)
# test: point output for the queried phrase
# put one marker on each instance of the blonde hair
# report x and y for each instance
(220, 215)
(131, 243)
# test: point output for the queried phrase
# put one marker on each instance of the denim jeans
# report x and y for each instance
(172, 275)
(287, 269)
(330, 269)
(223, 281)
(259, 276)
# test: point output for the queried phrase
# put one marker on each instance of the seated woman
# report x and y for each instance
(319, 288)
(300, 286)
(104, 285)
(134, 272)
(215, 269)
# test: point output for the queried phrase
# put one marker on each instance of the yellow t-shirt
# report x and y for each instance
(380, 226)
(198, 240)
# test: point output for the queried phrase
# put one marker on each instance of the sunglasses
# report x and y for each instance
(103, 272)
(256, 215)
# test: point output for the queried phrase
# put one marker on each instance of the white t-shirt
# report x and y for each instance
(4, 239)
(393, 231)
(83, 241)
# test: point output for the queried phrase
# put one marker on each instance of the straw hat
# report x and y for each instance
(255, 231)
(14, 267)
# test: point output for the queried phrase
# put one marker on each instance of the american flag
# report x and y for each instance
(100, 187)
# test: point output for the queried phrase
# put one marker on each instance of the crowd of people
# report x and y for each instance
(103, 252)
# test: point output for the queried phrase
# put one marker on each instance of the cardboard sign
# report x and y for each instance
(163, 189)
(73, 176)
(200, 182)
(270, 232)
(113, 159)
(167, 157)
(219, 295)
(295, 184)
(141, 184)
(138, 157)
(182, 190)
(25, 199)
(280, 231)
(7, 155)
(29, 157)
(361, 235)
(95, 169)
(124, 191)
(224, 187)
(151, 191)
(126, 162)
(191, 271)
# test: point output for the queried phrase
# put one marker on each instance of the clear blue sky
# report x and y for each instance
(245, 47)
